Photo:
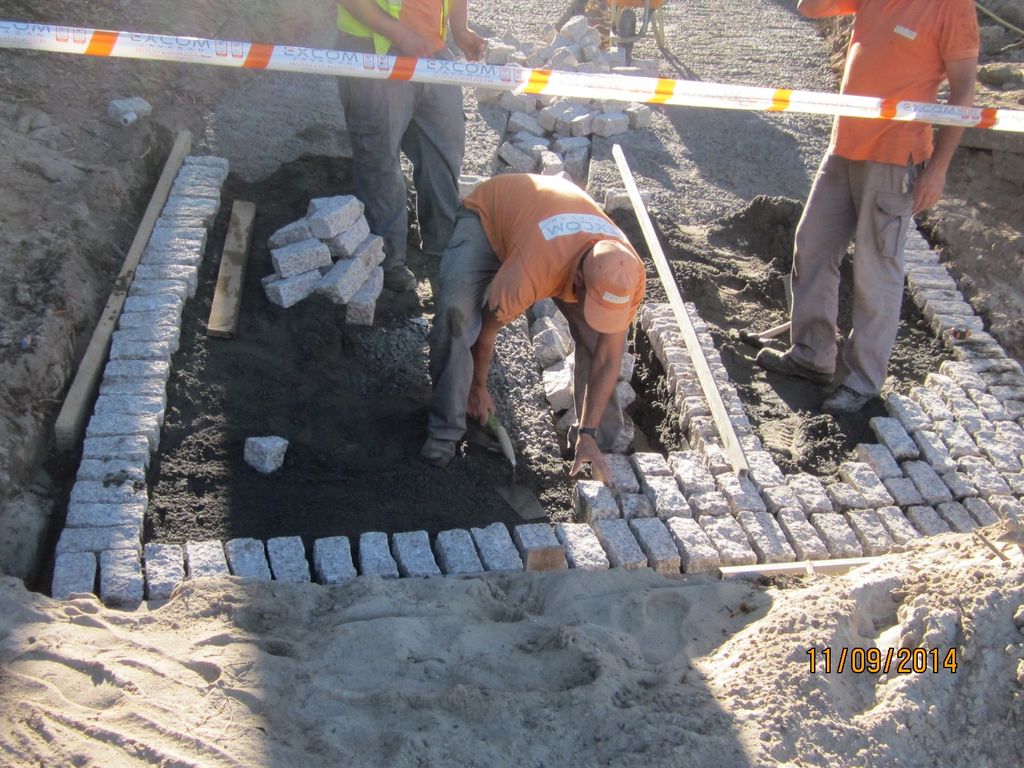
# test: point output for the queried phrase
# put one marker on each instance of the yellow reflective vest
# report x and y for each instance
(350, 25)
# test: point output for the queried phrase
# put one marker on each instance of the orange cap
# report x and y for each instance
(611, 272)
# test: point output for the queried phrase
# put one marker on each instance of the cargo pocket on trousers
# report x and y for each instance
(891, 220)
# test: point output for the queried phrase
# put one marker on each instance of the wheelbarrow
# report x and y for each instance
(633, 19)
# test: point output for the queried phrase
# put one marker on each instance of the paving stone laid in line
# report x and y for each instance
(764, 472)
(981, 511)
(837, 534)
(332, 560)
(780, 497)
(121, 349)
(133, 448)
(959, 485)
(927, 521)
(903, 492)
(657, 544)
(582, 548)
(844, 496)
(729, 539)
(907, 412)
(287, 557)
(73, 573)
(766, 537)
(956, 516)
(897, 525)
(709, 504)
(153, 287)
(997, 451)
(118, 424)
(99, 539)
(165, 569)
(664, 495)
(592, 500)
(132, 405)
(696, 551)
(958, 441)
(870, 532)
(932, 403)
(169, 334)
(879, 458)
(497, 551)
(893, 436)
(868, 484)
(456, 553)
(411, 550)
(740, 494)
(121, 582)
(539, 547)
(619, 544)
(112, 471)
(205, 558)
(927, 482)
(805, 540)
(692, 477)
(247, 558)
(89, 515)
(375, 556)
(635, 505)
(934, 451)
(811, 493)
(167, 316)
(649, 464)
(984, 476)
(623, 475)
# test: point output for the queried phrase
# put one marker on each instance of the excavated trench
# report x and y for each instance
(352, 401)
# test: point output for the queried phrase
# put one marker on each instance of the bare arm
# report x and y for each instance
(604, 374)
(819, 9)
(932, 180)
(373, 16)
(480, 404)
(469, 42)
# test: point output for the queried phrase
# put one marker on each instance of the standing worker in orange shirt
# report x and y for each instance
(875, 175)
(520, 238)
(423, 120)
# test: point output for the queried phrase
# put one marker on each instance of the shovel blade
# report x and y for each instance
(522, 500)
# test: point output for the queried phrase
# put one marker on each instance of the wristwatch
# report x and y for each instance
(592, 431)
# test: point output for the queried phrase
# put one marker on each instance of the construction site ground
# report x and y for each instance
(540, 669)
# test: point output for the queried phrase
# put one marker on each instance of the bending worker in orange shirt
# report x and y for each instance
(520, 238)
(875, 175)
(423, 120)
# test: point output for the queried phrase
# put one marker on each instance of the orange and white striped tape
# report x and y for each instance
(611, 87)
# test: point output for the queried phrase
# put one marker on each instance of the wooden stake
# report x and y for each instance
(227, 298)
(707, 379)
(72, 416)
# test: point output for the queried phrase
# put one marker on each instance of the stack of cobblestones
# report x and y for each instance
(329, 251)
(110, 496)
(549, 134)
(554, 351)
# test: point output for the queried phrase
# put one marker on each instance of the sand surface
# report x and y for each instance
(573, 668)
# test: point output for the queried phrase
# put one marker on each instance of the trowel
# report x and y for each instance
(520, 498)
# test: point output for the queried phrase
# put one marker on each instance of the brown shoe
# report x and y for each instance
(783, 363)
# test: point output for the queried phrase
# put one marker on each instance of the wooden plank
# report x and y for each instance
(71, 419)
(719, 412)
(227, 298)
(801, 568)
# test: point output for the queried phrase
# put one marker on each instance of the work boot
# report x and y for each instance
(783, 363)
(844, 400)
(400, 279)
(438, 452)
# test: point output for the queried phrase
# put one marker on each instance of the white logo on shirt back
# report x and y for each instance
(565, 224)
(907, 33)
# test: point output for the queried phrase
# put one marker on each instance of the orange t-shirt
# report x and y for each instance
(539, 227)
(898, 51)
(424, 18)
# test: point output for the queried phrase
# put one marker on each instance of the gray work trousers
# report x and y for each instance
(468, 266)
(426, 122)
(871, 202)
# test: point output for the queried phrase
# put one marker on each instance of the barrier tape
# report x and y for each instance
(610, 87)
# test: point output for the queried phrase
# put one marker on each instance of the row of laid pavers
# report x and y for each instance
(131, 574)
(949, 456)
(109, 498)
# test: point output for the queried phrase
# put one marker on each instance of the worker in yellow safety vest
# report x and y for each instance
(423, 120)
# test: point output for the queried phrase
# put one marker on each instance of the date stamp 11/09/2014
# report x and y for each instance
(902, 661)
